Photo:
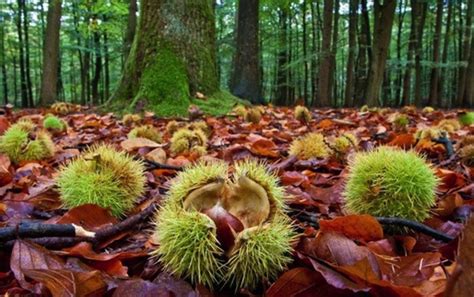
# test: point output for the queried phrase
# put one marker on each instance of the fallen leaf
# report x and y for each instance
(358, 227)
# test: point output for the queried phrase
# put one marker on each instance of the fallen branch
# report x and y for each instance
(37, 230)
(313, 221)
(447, 143)
(152, 165)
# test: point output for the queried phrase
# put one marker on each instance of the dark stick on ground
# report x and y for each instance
(152, 165)
(313, 221)
(36, 230)
(448, 145)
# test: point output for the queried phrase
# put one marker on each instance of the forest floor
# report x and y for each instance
(337, 254)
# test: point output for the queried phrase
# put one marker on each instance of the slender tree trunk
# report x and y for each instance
(418, 56)
(15, 79)
(349, 91)
(245, 80)
(131, 27)
(416, 16)
(49, 90)
(434, 100)
(282, 75)
(106, 66)
(315, 49)
(305, 53)
(27, 55)
(324, 92)
(383, 15)
(3, 59)
(447, 100)
(364, 56)
(167, 65)
(401, 15)
(21, 56)
(465, 53)
(332, 69)
(97, 68)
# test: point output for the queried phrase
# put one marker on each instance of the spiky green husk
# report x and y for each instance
(200, 125)
(467, 140)
(401, 121)
(449, 125)
(364, 108)
(262, 253)
(148, 132)
(310, 146)
(253, 115)
(428, 109)
(130, 119)
(54, 123)
(344, 142)
(392, 183)
(194, 177)
(16, 143)
(467, 118)
(240, 110)
(188, 246)
(172, 127)
(185, 140)
(302, 114)
(102, 176)
(428, 133)
(467, 155)
(258, 172)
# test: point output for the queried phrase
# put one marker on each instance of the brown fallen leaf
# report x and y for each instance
(358, 227)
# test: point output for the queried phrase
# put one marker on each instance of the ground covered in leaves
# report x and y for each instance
(337, 254)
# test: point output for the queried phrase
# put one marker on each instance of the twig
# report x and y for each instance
(124, 225)
(419, 227)
(36, 230)
(152, 165)
(446, 142)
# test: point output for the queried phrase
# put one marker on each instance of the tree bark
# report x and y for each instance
(97, 67)
(324, 97)
(305, 52)
(131, 27)
(384, 15)
(418, 55)
(21, 56)
(434, 100)
(401, 16)
(245, 80)
(282, 91)
(3, 62)
(364, 56)
(349, 91)
(465, 53)
(445, 100)
(173, 55)
(469, 92)
(29, 85)
(49, 80)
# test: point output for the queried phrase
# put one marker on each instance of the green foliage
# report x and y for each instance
(467, 118)
(219, 103)
(21, 143)
(102, 176)
(391, 183)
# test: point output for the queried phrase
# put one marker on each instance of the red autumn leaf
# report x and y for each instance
(90, 216)
(403, 141)
(5, 174)
(264, 147)
(359, 227)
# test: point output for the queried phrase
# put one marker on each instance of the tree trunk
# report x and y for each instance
(418, 55)
(465, 53)
(245, 81)
(3, 62)
(349, 91)
(49, 80)
(131, 27)
(106, 66)
(434, 100)
(363, 57)
(29, 84)
(332, 69)
(447, 100)
(21, 56)
(281, 95)
(401, 15)
(468, 100)
(97, 67)
(172, 56)
(324, 92)
(383, 15)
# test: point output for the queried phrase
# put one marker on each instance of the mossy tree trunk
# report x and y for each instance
(172, 56)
